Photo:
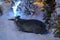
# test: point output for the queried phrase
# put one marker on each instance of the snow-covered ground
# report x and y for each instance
(9, 31)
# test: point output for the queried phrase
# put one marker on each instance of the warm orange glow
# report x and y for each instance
(39, 3)
(9, 0)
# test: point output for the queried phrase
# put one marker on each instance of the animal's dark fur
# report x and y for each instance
(1, 12)
(31, 25)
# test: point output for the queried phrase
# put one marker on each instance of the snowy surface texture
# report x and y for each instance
(9, 31)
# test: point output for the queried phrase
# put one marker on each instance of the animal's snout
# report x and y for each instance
(11, 19)
(15, 18)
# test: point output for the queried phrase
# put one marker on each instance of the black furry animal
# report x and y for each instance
(31, 25)
(1, 12)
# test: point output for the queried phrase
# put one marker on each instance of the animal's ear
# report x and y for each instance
(17, 17)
